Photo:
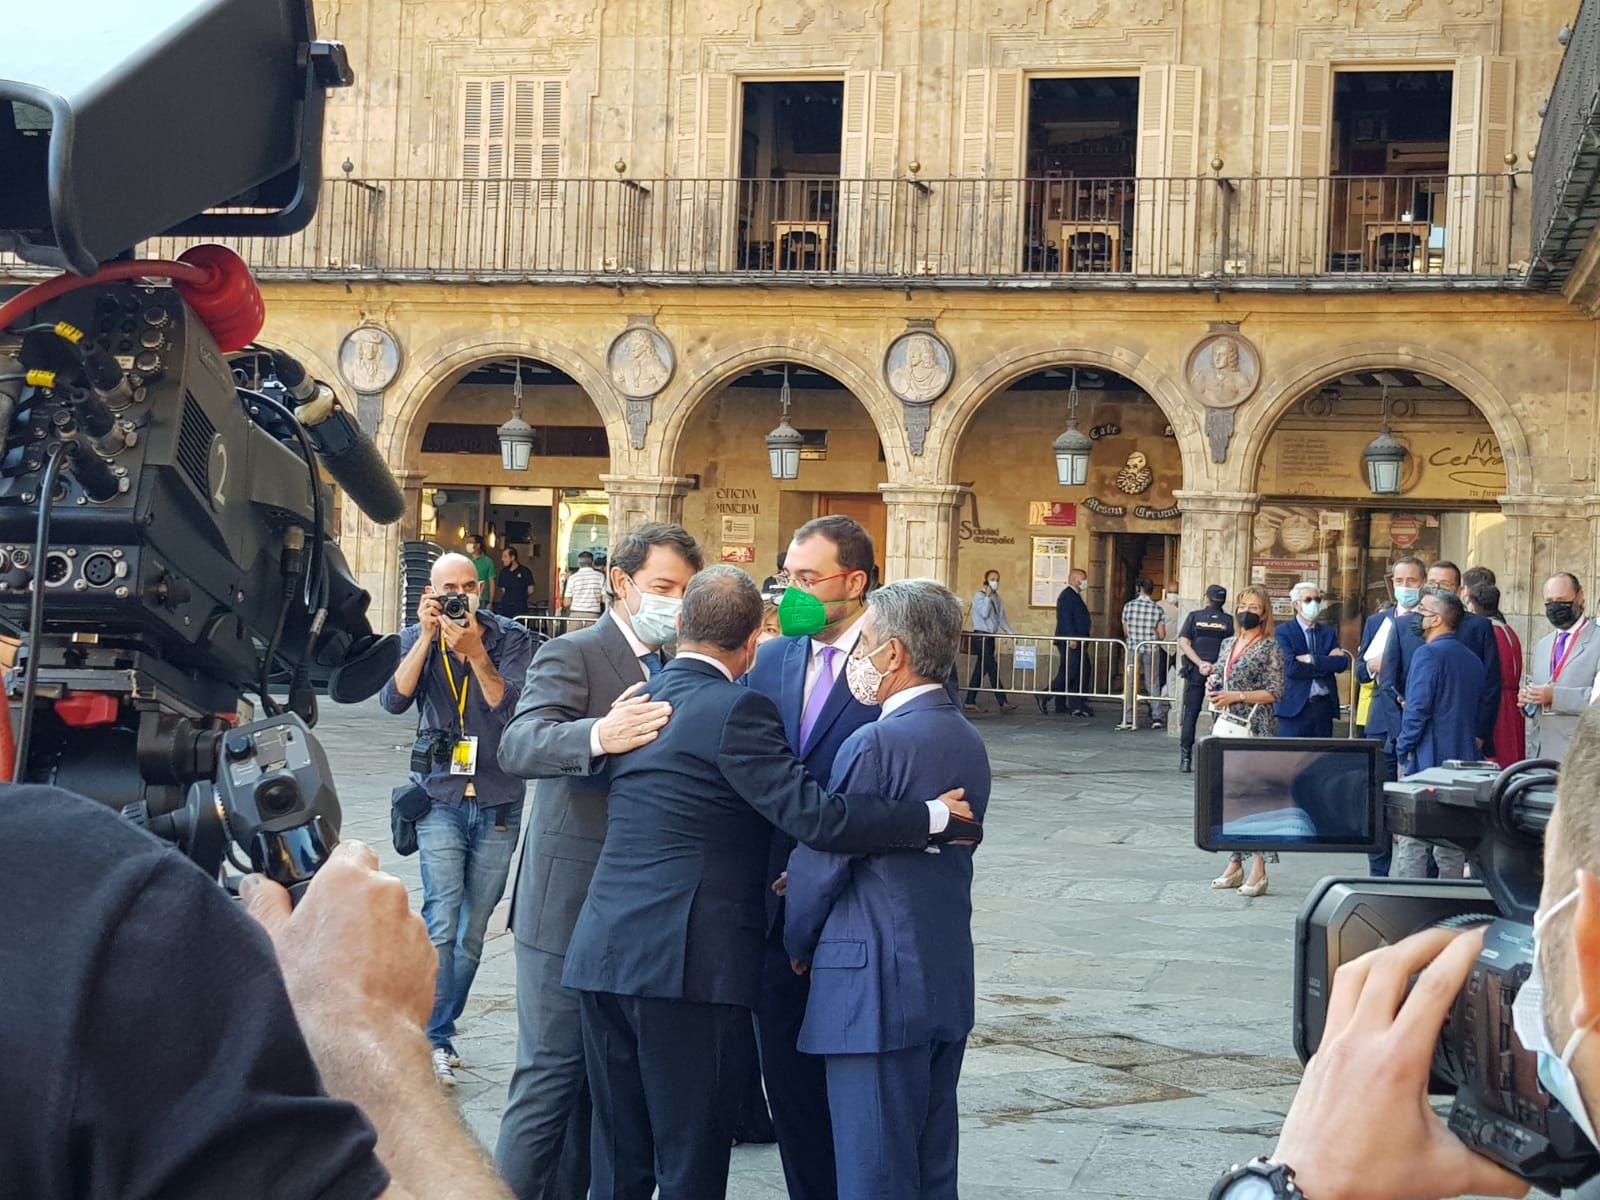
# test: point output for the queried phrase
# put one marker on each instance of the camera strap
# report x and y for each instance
(459, 697)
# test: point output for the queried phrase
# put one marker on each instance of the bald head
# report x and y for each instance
(452, 568)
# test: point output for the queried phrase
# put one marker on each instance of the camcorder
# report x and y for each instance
(165, 534)
(1321, 796)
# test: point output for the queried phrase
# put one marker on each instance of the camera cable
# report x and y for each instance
(30, 673)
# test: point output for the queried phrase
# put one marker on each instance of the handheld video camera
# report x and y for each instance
(1312, 795)
(165, 541)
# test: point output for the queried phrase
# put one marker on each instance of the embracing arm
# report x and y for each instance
(816, 878)
(549, 735)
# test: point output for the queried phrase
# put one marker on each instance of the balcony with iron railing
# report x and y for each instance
(1566, 171)
(1334, 232)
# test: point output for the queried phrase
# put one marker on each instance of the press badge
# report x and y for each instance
(464, 756)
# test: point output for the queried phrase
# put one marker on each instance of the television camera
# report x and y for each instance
(1305, 794)
(165, 535)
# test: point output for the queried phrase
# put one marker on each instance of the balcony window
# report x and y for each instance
(1080, 163)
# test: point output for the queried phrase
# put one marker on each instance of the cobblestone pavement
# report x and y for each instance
(1133, 1033)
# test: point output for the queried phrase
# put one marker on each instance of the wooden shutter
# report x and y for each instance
(1477, 212)
(1313, 129)
(1005, 159)
(883, 147)
(1182, 164)
(1288, 216)
(686, 127)
(972, 160)
(537, 112)
(1466, 132)
(1278, 159)
(717, 114)
(717, 111)
(853, 136)
(1150, 165)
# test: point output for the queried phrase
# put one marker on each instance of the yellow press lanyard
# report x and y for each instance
(466, 683)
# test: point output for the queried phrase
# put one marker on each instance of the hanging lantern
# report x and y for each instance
(1072, 448)
(516, 435)
(784, 442)
(1385, 457)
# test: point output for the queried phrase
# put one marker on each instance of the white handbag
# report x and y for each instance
(1226, 725)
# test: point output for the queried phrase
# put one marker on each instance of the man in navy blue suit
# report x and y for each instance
(668, 947)
(829, 560)
(1387, 632)
(1072, 625)
(1476, 634)
(1313, 660)
(1443, 687)
(887, 938)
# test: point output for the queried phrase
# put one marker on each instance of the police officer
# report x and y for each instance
(1198, 644)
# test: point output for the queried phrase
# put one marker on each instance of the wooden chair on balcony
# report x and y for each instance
(1396, 251)
(801, 245)
(1095, 249)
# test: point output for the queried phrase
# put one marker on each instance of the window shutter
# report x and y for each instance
(853, 137)
(718, 114)
(1278, 159)
(1151, 157)
(471, 160)
(1476, 235)
(1006, 85)
(1289, 222)
(1150, 165)
(884, 147)
(686, 131)
(973, 158)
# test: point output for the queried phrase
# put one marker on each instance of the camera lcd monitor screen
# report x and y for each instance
(1288, 794)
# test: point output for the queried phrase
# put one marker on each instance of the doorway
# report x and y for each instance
(1081, 145)
(1131, 557)
(870, 511)
(790, 152)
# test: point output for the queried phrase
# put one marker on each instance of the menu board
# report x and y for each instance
(1052, 563)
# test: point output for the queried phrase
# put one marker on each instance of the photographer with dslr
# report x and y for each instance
(1361, 1125)
(464, 667)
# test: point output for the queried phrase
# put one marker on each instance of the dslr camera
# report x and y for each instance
(454, 606)
(431, 751)
(1327, 796)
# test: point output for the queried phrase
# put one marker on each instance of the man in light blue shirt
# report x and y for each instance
(988, 619)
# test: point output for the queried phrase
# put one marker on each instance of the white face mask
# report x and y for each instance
(1533, 1031)
(863, 678)
(1311, 608)
(994, 585)
(656, 621)
(1172, 597)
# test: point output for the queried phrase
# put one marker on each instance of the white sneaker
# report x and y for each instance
(441, 1067)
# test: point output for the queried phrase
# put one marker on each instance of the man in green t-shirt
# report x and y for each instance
(485, 566)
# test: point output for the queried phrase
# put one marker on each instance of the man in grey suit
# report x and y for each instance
(578, 708)
(1563, 669)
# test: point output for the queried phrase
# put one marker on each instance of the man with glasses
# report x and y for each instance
(1313, 661)
(1440, 718)
(465, 674)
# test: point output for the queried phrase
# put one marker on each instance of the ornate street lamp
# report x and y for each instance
(516, 435)
(784, 442)
(1385, 457)
(1072, 447)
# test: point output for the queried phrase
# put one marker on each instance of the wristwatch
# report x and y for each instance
(1258, 1179)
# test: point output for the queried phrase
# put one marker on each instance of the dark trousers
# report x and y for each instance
(895, 1128)
(1380, 863)
(984, 663)
(797, 1084)
(660, 1072)
(1315, 720)
(1069, 679)
(1194, 699)
(543, 1148)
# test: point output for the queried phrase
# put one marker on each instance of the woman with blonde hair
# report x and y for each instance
(1247, 684)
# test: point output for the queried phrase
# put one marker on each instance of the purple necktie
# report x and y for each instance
(1561, 644)
(819, 695)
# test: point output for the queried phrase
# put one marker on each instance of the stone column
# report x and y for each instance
(410, 525)
(1215, 541)
(636, 499)
(373, 552)
(923, 524)
(1544, 534)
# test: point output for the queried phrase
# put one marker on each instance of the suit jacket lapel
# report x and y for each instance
(838, 697)
(796, 658)
(619, 654)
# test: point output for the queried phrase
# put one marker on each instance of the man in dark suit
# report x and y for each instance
(1072, 625)
(829, 558)
(1389, 631)
(1476, 634)
(1313, 661)
(667, 950)
(1440, 722)
(571, 719)
(887, 938)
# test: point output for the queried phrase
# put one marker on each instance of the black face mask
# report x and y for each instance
(1416, 625)
(1249, 620)
(1563, 614)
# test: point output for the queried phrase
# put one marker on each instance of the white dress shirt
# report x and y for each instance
(1318, 688)
(1380, 640)
(905, 697)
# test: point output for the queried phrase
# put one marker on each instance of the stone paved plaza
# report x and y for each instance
(1133, 1032)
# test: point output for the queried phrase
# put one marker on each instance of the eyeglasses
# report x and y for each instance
(808, 584)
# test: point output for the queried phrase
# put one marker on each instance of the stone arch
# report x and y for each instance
(421, 388)
(734, 361)
(1281, 390)
(993, 376)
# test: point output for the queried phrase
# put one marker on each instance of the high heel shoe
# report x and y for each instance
(1228, 879)
(1254, 889)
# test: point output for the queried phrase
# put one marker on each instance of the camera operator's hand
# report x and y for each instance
(464, 641)
(353, 951)
(1360, 1127)
(634, 721)
(428, 614)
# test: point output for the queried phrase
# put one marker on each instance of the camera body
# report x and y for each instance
(431, 751)
(1498, 818)
(454, 606)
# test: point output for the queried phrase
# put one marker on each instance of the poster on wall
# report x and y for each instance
(1052, 563)
(740, 555)
(1059, 513)
(739, 531)
(1278, 575)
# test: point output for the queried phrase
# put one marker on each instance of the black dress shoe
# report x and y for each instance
(1043, 707)
(1186, 761)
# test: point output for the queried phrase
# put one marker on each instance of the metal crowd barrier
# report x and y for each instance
(553, 626)
(1031, 665)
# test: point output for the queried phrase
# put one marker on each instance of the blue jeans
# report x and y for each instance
(465, 861)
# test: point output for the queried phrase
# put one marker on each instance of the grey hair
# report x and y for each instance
(1301, 588)
(926, 618)
(721, 608)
